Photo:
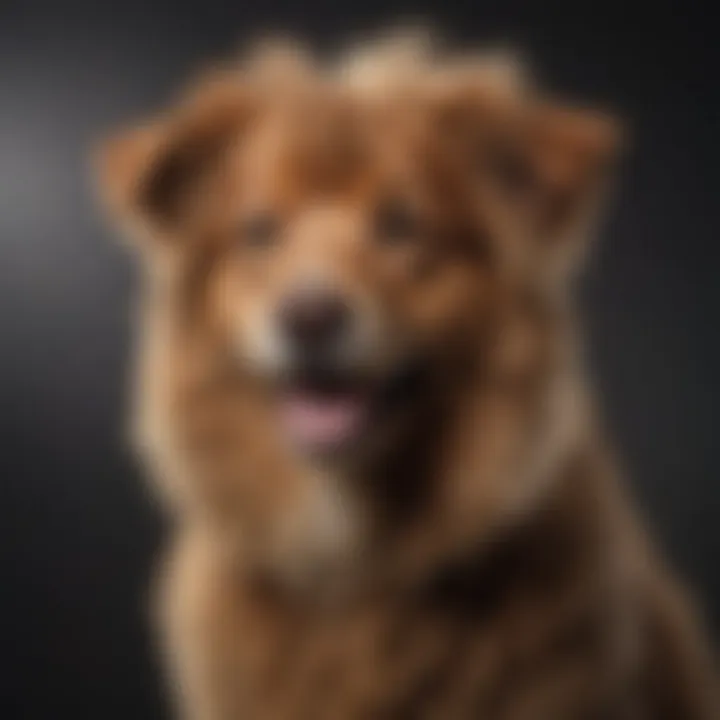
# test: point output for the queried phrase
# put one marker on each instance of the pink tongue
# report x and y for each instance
(319, 420)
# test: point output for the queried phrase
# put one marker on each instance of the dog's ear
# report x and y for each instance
(547, 172)
(538, 168)
(150, 175)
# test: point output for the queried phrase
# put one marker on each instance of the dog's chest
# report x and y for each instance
(462, 647)
(377, 661)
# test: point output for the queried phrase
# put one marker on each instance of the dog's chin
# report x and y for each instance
(333, 413)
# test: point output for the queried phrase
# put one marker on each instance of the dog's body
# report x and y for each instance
(545, 625)
(367, 411)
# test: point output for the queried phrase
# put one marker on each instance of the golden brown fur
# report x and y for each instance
(474, 556)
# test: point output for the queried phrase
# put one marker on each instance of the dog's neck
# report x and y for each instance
(439, 498)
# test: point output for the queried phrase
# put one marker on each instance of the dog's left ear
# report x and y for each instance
(546, 175)
(537, 169)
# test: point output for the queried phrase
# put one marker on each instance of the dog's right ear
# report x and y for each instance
(150, 176)
(122, 164)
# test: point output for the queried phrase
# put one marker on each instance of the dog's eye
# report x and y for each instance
(259, 230)
(396, 222)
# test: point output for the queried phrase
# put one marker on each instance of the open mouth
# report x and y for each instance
(323, 412)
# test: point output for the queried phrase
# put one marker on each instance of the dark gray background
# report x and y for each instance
(77, 529)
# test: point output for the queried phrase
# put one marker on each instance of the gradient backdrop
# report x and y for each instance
(77, 530)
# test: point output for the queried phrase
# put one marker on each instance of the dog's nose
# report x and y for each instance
(314, 321)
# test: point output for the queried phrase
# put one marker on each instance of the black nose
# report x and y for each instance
(313, 321)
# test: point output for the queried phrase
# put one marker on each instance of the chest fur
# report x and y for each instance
(466, 647)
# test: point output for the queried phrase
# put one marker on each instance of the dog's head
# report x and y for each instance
(345, 240)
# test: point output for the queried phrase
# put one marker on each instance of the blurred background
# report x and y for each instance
(78, 530)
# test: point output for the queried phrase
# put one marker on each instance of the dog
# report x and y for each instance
(361, 396)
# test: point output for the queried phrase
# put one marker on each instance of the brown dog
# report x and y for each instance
(361, 395)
